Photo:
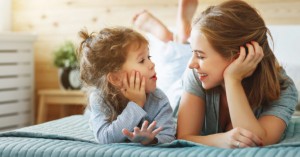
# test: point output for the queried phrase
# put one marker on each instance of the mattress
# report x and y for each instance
(71, 137)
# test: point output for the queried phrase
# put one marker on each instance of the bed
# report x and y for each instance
(71, 137)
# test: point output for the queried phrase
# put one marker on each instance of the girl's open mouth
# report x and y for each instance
(154, 77)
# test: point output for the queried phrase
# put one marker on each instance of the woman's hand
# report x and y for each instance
(145, 135)
(239, 138)
(245, 64)
(134, 90)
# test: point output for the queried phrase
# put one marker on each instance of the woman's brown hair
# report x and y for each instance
(233, 24)
(102, 53)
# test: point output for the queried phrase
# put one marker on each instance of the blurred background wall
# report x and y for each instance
(55, 21)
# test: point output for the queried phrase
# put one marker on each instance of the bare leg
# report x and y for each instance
(145, 21)
(186, 10)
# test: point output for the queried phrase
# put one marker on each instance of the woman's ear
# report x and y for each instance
(114, 78)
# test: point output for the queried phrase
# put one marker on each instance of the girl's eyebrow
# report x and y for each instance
(140, 54)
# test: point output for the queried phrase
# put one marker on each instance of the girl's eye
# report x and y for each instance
(142, 61)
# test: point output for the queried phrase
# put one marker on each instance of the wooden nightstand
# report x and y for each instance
(58, 97)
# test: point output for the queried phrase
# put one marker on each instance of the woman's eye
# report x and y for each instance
(200, 57)
(149, 57)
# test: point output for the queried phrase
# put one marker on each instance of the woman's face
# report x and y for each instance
(208, 63)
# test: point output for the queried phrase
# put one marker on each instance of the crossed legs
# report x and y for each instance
(145, 21)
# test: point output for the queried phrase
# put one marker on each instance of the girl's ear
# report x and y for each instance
(114, 78)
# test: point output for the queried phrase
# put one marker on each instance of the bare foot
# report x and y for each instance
(145, 21)
(186, 10)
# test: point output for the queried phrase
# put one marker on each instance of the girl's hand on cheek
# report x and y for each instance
(245, 64)
(134, 89)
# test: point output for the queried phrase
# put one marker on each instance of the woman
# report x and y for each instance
(235, 93)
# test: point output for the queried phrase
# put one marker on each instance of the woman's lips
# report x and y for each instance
(202, 76)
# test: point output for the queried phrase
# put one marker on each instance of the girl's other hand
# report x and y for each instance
(134, 90)
(245, 64)
(145, 135)
(239, 138)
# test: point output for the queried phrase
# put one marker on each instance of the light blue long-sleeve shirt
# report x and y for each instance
(157, 108)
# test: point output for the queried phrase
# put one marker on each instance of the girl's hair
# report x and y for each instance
(102, 53)
(233, 24)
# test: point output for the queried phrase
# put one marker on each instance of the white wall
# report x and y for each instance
(287, 49)
(5, 15)
(286, 43)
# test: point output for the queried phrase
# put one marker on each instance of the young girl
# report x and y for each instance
(235, 91)
(171, 52)
(123, 99)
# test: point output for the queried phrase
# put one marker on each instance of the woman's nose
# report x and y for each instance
(193, 63)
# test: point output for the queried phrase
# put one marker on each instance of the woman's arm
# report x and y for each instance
(191, 119)
(190, 122)
(190, 116)
(240, 111)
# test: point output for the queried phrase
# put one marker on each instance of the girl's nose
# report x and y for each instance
(152, 65)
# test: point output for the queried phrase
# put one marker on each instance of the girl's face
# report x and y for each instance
(208, 63)
(139, 60)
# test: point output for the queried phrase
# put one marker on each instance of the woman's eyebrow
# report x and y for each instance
(198, 51)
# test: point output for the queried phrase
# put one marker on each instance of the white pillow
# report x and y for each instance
(170, 60)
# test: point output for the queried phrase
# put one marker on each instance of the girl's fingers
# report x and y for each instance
(127, 133)
(125, 81)
(143, 84)
(124, 84)
(156, 131)
(132, 80)
(152, 126)
(145, 125)
(137, 80)
(136, 130)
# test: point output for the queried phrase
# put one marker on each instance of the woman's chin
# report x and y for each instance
(206, 86)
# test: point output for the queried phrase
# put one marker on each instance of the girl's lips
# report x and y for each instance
(154, 77)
